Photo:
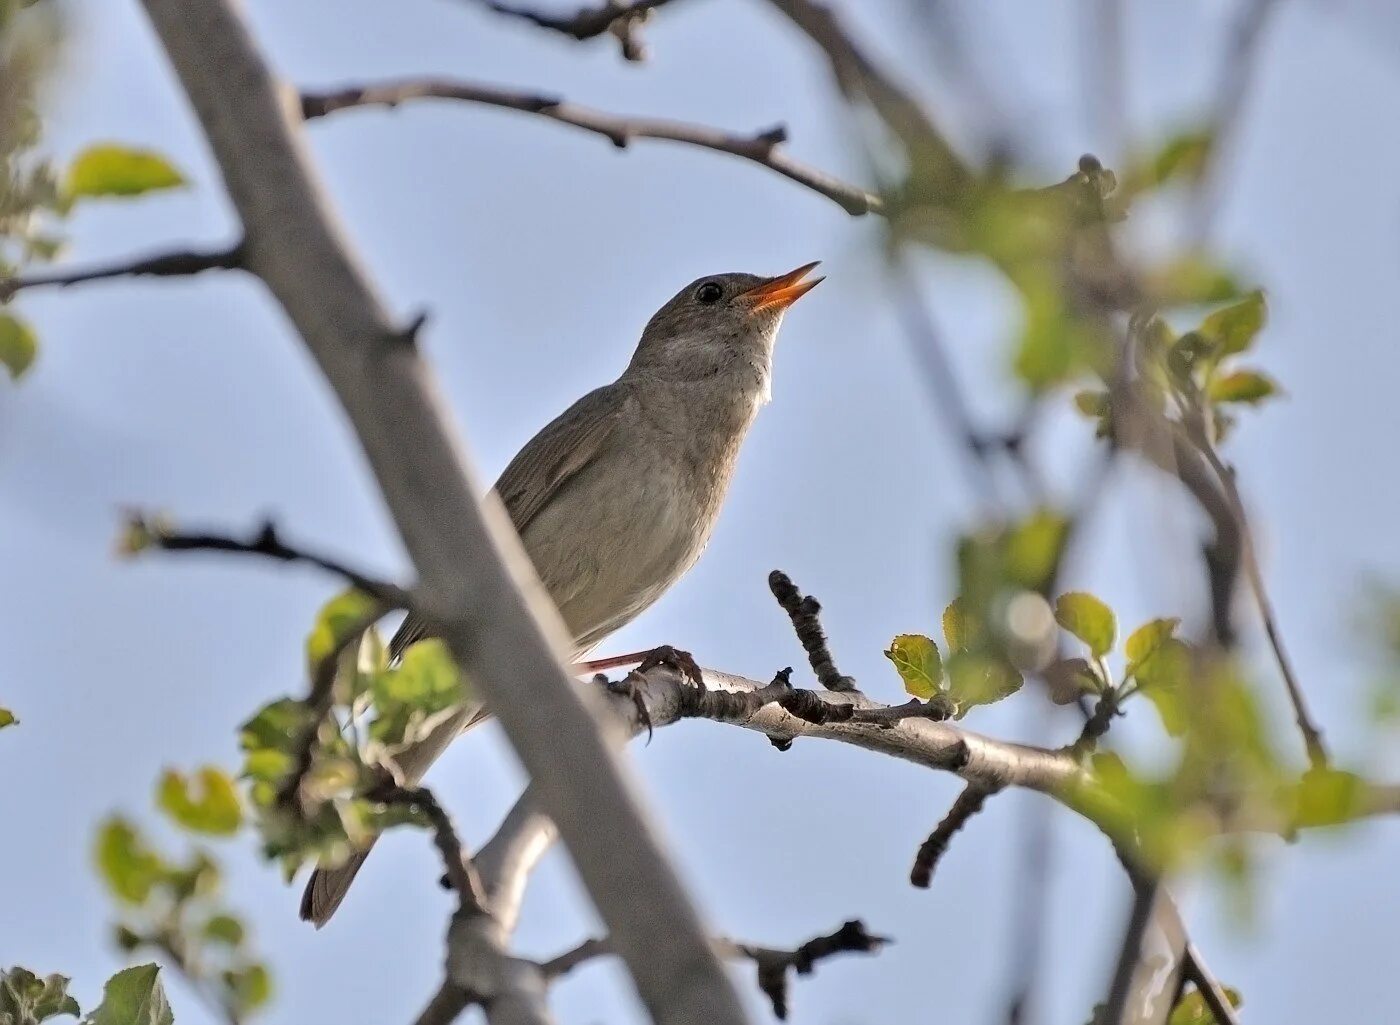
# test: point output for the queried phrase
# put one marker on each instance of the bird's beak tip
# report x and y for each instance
(785, 289)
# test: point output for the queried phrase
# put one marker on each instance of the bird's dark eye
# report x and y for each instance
(709, 292)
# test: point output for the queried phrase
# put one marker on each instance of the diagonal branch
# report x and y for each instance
(477, 585)
(180, 263)
(968, 804)
(763, 148)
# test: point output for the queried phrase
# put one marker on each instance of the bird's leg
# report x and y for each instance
(627, 687)
(682, 662)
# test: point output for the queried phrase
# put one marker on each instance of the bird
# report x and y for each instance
(616, 498)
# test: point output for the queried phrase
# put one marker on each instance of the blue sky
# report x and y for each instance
(541, 252)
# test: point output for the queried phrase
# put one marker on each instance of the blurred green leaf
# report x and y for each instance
(1163, 674)
(110, 169)
(919, 664)
(26, 999)
(1147, 638)
(134, 996)
(1091, 402)
(1242, 386)
(251, 986)
(960, 630)
(130, 867)
(207, 804)
(425, 683)
(1191, 280)
(7, 718)
(333, 623)
(1089, 619)
(975, 678)
(18, 345)
(1327, 797)
(1056, 345)
(1191, 1009)
(1232, 330)
(1183, 155)
(224, 929)
(1033, 549)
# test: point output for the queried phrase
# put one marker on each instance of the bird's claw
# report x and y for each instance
(683, 662)
(627, 687)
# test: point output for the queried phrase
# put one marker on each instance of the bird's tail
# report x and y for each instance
(327, 886)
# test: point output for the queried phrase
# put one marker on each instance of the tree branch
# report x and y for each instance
(621, 19)
(968, 804)
(762, 148)
(181, 263)
(144, 531)
(804, 613)
(477, 587)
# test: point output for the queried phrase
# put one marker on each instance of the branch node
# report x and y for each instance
(804, 613)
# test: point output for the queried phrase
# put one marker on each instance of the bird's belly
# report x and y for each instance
(605, 553)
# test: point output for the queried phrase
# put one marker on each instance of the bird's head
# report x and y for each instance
(719, 325)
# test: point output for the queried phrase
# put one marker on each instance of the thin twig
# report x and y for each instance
(181, 263)
(763, 148)
(804, 613)
(772, 964)
(621, 19)
(1209, 987)
(968, 804)
(143, 532)
(461, 874)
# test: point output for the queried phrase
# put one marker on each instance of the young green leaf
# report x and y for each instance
(1089, 619)
(224, 929)
(1162, 674)
(207, 804)
(1243, 386)
(1233, 329)
(134, 997)
(336, 618)
(7, 718)
(251, 986)
(1146, 639)
(978, 679)
(1033, 548)
(18, 345)
(26, 999)
(110, 169)
(130, 867)
(1091, 402)
(960, 630)
(1327, 797)
(919, 664)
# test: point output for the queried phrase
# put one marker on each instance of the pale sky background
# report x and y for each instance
(540, 253)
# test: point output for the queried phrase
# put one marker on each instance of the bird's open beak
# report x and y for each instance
(782, 291)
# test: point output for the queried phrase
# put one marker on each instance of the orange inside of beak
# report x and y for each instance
(784, 290)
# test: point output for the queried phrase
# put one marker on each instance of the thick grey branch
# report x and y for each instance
(763, 148)
(477, 587)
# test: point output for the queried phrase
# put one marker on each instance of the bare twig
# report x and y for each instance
(149, 532)
(968, 804)
(476, 582)
(181, 263)
(461, 874)
(804, 613)
(763, 148)
(772, 964)
(620, 18)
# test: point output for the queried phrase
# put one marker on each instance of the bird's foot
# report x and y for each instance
(683, 662)
(627, 687)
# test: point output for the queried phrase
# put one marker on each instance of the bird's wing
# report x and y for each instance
(547, 463)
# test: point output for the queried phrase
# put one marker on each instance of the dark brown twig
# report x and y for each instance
(773, 965)
(763, 148)
(804, 613)
(182, 263)
(461, 874)
(968, 804)
(621, 19)
(149, 532)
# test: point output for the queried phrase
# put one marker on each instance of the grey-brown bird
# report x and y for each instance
(617, 497)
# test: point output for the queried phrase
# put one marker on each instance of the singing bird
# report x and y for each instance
(616, 498)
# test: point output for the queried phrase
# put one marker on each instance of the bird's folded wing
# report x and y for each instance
(543, 468)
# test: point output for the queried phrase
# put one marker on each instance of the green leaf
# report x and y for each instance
(207, 804)
(1147, 638)
(26, 999)
(134, 996)
(130, 867)
(1191, 280)
(1183, 155)
(7, 718)
(919, 664)
(1089, 619)
(1091, 402)
(110, 169)
(225, 929)
(1243, 386)
(960, 630)
(333, 623)
(1191, 1009)
(1033, 549)
(251, 986)
(1328, 797)
(425, 683)
(18, 345)
(975, 679)
(1163, 675)
(1232, 329)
